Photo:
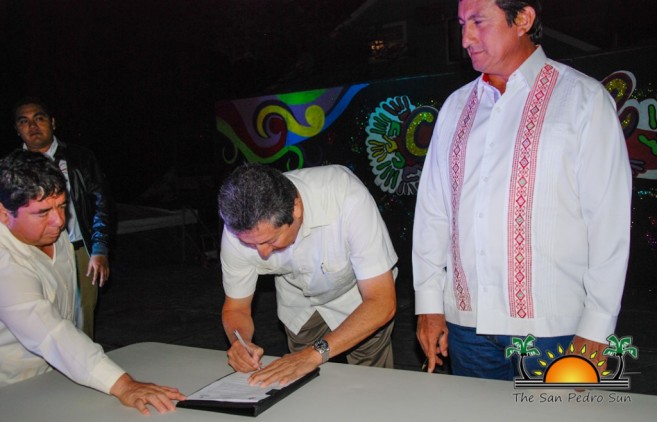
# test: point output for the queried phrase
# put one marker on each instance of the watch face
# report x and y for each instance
(321, 345)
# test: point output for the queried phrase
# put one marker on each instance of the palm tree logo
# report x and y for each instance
(523, 347)
(572, 370)
(619, 348)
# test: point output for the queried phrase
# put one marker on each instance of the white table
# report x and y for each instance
(342, 393)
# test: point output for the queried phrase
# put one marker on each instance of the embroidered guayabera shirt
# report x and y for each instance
(522, 220)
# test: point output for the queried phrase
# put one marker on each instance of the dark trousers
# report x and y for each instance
(375, 350)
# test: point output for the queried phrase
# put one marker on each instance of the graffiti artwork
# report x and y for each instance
(270, 128)
(396, 135)
(639, 122)
(382, 130)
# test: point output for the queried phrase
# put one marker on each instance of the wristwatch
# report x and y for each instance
(322, 347)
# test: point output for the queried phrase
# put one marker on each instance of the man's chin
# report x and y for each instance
(50, 239)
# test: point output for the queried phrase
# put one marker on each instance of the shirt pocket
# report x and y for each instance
(331, 283)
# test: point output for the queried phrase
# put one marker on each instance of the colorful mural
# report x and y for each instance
(638, 118)
(270, 128)
(382, 130)
(396, 134)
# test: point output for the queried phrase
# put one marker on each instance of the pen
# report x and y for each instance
(243, 343)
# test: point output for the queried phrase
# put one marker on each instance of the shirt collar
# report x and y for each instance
(528, 70)
(53, 148)
(312, 218)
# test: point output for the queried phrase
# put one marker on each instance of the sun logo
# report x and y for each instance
(575, 369)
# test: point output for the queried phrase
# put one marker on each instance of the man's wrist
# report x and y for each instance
(321, 346)
(120, 385)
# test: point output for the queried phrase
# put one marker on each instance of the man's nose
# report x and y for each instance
(466, 36)
(58, 217)
(265, 250)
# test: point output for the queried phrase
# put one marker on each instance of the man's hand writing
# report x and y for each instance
(240, 358)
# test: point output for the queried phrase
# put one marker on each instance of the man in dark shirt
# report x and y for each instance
(90, 205)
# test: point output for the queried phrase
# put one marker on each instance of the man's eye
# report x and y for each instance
(40, 119)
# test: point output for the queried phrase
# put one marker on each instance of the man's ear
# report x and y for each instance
(54, 126)
(4, 214)
(297, 212)
(525, 20)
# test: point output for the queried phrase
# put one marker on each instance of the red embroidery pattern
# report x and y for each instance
(522, 194)
(457, 168)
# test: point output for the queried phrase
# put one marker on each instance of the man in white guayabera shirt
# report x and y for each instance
(38, 289)
(522, 221)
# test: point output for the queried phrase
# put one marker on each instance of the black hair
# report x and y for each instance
(27, 175)
(511, 9)
(30, 100)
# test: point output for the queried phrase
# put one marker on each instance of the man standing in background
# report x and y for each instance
(522, 222)
(89, 208)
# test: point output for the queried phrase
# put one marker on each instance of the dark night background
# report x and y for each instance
(135, 81)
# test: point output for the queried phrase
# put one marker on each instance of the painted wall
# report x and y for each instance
(381, 130)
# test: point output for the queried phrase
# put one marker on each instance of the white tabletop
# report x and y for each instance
(341, 393)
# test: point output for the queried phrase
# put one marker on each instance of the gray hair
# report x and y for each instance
(254, 193)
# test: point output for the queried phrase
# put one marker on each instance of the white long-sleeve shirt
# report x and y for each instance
(568, 254)
(37, 299)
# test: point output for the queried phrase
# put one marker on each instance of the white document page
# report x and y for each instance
(233, 388)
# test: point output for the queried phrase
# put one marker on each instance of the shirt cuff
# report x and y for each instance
(98, 249)
(429, 302)
(596, 326)
(104, 375)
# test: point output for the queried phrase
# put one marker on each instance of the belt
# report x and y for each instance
(78, 244)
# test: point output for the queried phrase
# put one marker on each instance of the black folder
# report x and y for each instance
(248, 409)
